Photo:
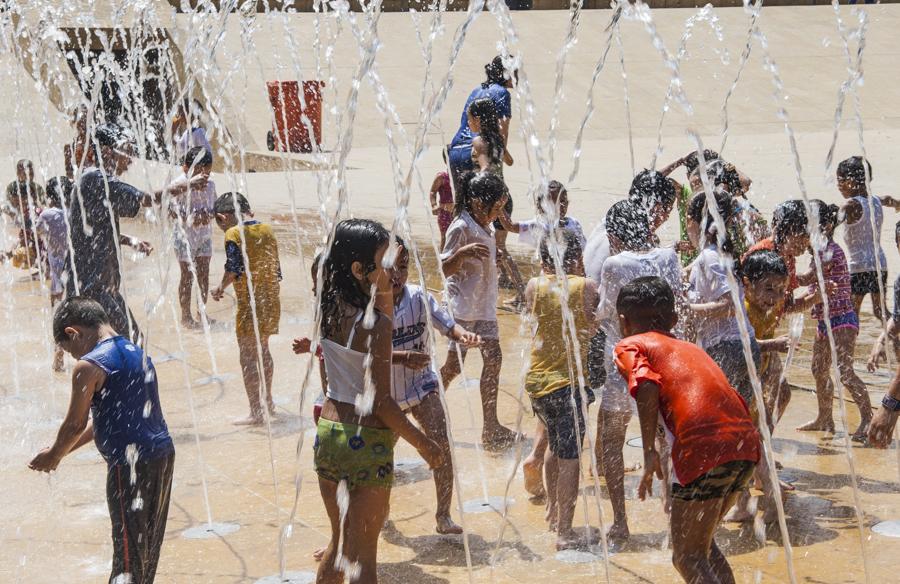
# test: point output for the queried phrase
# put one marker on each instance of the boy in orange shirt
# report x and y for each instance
(714, 444)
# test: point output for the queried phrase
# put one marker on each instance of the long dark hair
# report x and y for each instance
(699, 212)
(355, 240)
(494, 72)
(486, 187)
(486, 112)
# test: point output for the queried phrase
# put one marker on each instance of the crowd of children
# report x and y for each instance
(675, 334)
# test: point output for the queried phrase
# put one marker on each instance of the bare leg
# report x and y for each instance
(250, 372)
(202, 265)
(451, 368)
(368, 510)
(533, 466)
(508, 265)
(821, 364)
(613, 440)
(268, 371)
(184, 294)
(693, 526)
(857, 300)
(328, 573)
(566, 497)
(845, 341)
(876, 306)
(551, 470)
(431, 418)
(494, 436)
(58, 363)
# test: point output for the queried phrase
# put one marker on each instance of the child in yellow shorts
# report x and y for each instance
(252, 266)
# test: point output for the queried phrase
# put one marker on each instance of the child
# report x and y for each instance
(713, 442)
(414, 380)
(248, 238)
(632, 256)
(488, 155)
(844, 328)
(116, 384)
(532, 231)
(354, 448)
(892, 333)
(469, 263)
(685, 193)
(302, 345)
(860, 211)
(764, 276)
(441, 197)
(51, 228)
(24, 198)
(553, 391)
(193, 235)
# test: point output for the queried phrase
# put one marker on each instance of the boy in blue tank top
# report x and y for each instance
(116, 383)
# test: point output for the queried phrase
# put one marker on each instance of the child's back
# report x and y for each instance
(707, 422)
(472, 290)
(835, 270)
(260, 248)
(126, 411)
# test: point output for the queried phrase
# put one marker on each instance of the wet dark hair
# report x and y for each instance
(197, 156)
(852, 169)
(495, 72)
(724, 174)
(650, 188)
(77, 311)
(629, 223)
(828, 215)
(692, 161)
(648, 300)
(571, 248)
(555, 186)
(225, 204)
(486, 187)
(355, 240)
(789, 219)
(486, 112)
(59, 190)
(762, 263)
(699, 213)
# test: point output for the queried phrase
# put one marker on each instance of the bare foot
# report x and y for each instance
(817, 425)
(446, 526)
(738, 514)
(499, 439)
(618, 532)
(249, 421)
(573, 540)
(533, 469)
(189, 323)
(319, 553)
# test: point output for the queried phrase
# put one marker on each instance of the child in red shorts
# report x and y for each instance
(715, 446)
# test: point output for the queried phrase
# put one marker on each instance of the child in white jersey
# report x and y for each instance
(193, 215)
(632, 255)
(556, 202)
(865, 255)
(469, 263)
(413, 377)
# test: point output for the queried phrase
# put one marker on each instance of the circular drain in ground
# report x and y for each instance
(289, 578)
(581, 556)
(210, 530)
(887, 528)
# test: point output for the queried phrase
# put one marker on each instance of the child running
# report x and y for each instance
(441, 198)
(633, 255)
(844, 327)
(51, 228)
(257, 292)
(414, 380)
(469, 264)
(193, 213)
(713, 441)
(861, 211)
(354, 447)
(115, 403)
(552, 381)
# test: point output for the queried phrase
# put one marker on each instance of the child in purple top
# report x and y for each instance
(844, 327)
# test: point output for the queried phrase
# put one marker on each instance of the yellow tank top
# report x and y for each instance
(549, 370)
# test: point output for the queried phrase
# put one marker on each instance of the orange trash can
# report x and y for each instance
(290, 133)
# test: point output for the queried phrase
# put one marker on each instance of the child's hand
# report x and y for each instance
(143, 247)
(302, 345)
(474, 251)
(416, 360)
(45, 461)
(435, 209)
(651, 467)
(781, 344)
(432, 454)
(217, 293)
(683, 246)
(468, 339)
(875, 357)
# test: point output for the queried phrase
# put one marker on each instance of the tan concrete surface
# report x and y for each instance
(56, 529)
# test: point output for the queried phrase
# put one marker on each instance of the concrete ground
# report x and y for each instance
(56, 529)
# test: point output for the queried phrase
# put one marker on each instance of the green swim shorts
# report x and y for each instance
(362, 456)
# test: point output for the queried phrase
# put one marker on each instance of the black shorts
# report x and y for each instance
(508, 207)
(138, 502)
(863, 283)
(595, 364)
(555, 411)
(718, 483)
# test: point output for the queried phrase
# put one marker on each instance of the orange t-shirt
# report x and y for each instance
(707, 421)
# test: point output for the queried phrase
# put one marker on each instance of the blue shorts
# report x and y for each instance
(846, 320)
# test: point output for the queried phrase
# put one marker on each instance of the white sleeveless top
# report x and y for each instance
(861, 246)
(346, 369)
